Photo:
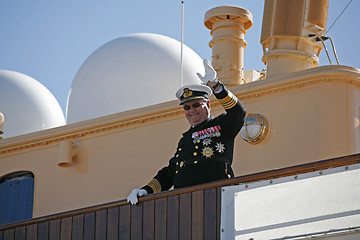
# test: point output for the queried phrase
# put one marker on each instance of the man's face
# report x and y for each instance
(199, 111)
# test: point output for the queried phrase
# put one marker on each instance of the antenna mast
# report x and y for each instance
(182, 44)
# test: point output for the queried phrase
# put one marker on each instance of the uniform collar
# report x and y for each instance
(199, 126)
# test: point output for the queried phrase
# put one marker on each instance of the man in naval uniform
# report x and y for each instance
(205, 152)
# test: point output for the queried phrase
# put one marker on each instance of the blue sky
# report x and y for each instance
(49, 40)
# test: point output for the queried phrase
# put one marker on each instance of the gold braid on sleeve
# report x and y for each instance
(155, 185)
(229, 101)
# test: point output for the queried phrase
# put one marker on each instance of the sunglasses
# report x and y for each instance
(194, 105)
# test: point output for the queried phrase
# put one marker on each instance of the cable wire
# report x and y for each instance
(320, 38)
(338, 16)
(333, 47)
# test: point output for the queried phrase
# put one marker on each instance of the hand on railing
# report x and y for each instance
(133, 197)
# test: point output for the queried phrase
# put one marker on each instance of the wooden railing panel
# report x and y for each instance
(31, 232)
(172, 230)
(20, 233)
(136, 222)
(197, 215)
(148, 220)
(9, 234)
(101, 224)
(218, 214)
(113, 224)
(65, 230)
(160, 218)
(43, 231)
(78, 226)
(210, 213)
(89, 225)
(124, 222)
(54, 229)
(185, 216)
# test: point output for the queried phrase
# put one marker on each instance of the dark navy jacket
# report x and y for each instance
(205, 152)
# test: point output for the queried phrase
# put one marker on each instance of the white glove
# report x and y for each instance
(133, 197)
(210, 73)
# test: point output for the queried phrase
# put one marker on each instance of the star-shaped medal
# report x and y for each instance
(220, 147)
(207, 152)
(206, 141)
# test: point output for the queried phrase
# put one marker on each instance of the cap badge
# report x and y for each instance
(187, 93)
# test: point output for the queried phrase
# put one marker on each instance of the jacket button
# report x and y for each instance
(195, 153)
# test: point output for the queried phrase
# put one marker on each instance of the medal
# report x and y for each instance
(206, 141)
(207, 152)
(220, 147)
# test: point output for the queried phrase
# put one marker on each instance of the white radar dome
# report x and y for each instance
(27, 105)
(130, 72)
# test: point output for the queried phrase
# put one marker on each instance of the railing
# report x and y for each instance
(188, 213)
